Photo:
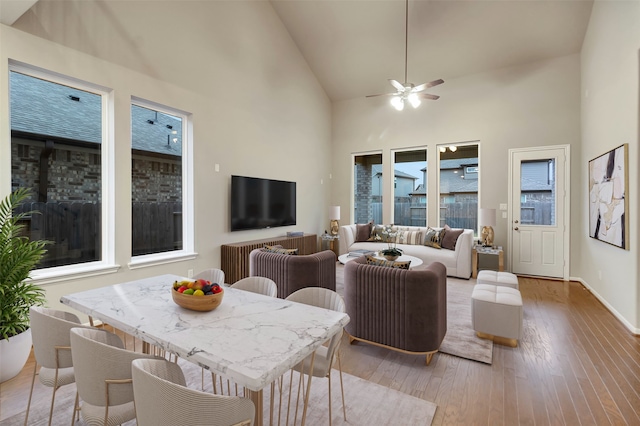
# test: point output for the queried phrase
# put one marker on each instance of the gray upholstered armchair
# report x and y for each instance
(293, 272)
(399, 309)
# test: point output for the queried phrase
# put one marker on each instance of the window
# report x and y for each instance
(367, 191)
(410, 189)
(59, 150)
(537, 192)
(158, 182)
(458, 187)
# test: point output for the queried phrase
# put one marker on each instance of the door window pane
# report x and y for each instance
(56, 145)
(459, 170)
(409, 188)
(367, 191)
(538, 192)
(156, 180)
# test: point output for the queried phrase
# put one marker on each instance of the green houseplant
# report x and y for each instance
(18, 257)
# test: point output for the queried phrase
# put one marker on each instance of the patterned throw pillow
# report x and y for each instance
(432, 238)
(387, 263)
(449, 237)
(411, 237)
(377, 234)
(279, 250)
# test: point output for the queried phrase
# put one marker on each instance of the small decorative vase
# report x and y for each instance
(391, 257)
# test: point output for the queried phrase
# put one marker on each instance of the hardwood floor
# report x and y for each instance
(576, 364)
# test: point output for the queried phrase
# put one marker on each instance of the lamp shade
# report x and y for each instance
(487, 217)
(334, 213)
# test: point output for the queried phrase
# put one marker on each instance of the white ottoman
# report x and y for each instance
(498, 278)
(496, 313)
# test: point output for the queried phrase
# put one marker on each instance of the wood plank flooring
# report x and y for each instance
(576, 365)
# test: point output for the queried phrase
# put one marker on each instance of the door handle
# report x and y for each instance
(515, 229)
(516, 221)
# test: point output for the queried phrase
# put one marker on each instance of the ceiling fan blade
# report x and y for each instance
(429, 96)
(397, 85)
(427, 85)
(381, 94)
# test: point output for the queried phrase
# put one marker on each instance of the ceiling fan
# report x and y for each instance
(408, 92)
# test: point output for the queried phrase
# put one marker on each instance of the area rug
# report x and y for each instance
(460, 340)
(367, 403)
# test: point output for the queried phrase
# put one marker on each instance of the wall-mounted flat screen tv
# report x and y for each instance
(261, 203)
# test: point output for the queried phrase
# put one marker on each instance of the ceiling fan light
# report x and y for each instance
(398, 103)
(414, 99)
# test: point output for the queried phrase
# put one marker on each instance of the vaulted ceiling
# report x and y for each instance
(355, 46)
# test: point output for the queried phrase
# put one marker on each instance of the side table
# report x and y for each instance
(330, 242)
(486, 250)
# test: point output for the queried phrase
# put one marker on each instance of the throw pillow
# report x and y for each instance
(387, 263)
(363, 231)
(376, 234)
(412, 237)
(279, 250)
(450, 237)
(432, 238)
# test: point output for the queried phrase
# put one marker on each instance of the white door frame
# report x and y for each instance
(566, 199)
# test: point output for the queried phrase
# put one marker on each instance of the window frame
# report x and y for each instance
(439, 152)
(353, 183)
(393, 153)
(107, 262)
(188, 229)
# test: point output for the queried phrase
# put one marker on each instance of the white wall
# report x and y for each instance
(257, 108)
(533, 105)
(610, 96)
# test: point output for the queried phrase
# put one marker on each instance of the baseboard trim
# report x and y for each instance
(623, 320)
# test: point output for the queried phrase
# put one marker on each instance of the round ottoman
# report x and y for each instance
(496, 313)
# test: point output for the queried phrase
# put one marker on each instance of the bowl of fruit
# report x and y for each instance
(197, 295)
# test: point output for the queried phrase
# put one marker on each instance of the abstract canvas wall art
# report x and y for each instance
(608, 204)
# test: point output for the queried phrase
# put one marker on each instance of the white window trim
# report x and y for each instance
(107, 150)
(188, 229)
(352, 197)
(392, 173)
(458, 144)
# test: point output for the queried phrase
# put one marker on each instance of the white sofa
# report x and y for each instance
(458, 261)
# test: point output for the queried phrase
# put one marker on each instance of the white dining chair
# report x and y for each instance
(52, 350)
(326, 354)
(162, 398)
(214, 275)
(103, 376)
(260, 285)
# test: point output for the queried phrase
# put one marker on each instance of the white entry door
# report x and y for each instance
(539, 203)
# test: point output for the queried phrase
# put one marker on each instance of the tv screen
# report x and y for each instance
(261, 203)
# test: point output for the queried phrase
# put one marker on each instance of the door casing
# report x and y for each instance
(565, 200)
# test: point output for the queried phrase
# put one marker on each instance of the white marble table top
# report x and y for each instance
(250, 338)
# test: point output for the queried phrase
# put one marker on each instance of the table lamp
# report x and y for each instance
(334, 217)
(487, 220)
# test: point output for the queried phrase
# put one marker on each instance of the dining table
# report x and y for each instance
(251, 339)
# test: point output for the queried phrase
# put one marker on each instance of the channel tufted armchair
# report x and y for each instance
(400, 309)
(293, 272)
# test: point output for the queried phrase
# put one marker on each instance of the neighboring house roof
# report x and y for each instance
(42, 107)
(453, 184)
(377, 170)
(528, 184)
